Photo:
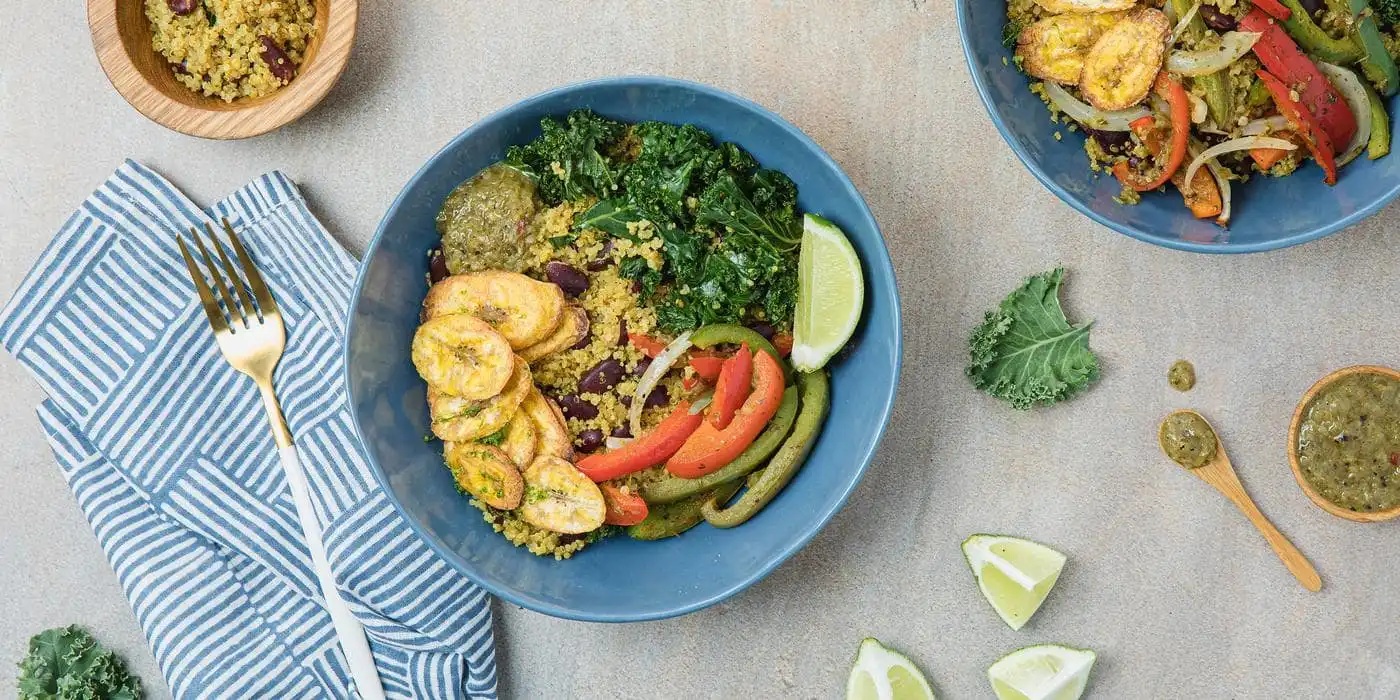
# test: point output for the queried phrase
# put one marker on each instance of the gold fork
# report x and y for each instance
(252, 339)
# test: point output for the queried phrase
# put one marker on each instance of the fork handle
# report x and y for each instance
(347, 628)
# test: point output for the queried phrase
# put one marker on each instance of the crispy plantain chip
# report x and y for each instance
(486, 473)
(1056, 7)
(524, 310)
(1120, 68)
(551, 432)
(462, 356)
(559, 498)
(572, 329)
(458, 419)
(519, 444)
(1054, 48)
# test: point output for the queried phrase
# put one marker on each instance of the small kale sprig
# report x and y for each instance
(66, 663)
(1027, 353)
(572, 159)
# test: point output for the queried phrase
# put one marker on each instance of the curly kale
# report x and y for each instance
(1387, 11)
(572, 159)
(1026, 353)
(66, 663)
(671, 160)
(766, 208)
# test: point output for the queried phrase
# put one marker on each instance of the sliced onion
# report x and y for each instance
(702, 403)
(660, 365)
(1199, 110)
(1243, 143)
(1090, 116)
(617, 443)
(1185, 20)
(1232, 46)
(1354, 93)
(1267, 125)
(1222, 180)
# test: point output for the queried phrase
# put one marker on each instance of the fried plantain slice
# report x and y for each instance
(559, 498)
(1120, 68)
(462, 356)
(486, 473)
(551, 432)
(1054, 48)
(458, 419)
(573, 327)
(519, 444)
(1056, 7)
(524, 310)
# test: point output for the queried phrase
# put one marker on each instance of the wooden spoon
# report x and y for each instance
(1221, 474)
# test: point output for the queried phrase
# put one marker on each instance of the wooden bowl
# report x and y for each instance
(1323, 503)
(121, 34)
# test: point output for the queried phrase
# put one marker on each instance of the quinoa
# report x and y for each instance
(220, 48)
(610, 302)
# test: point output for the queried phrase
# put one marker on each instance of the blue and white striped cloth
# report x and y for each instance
(169, 454)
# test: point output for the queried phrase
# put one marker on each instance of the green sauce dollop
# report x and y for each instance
(1182, 376)
(1349, 442)
(485, 222)
(1187, 439)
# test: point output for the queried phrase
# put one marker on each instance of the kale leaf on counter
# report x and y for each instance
(729, 229)
(67, 663)
(1026, 352)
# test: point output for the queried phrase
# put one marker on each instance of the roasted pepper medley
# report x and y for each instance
(606, 331)
(1202, 93)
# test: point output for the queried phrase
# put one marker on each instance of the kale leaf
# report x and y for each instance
(666, 169)
(1387, 11)
(571, 159)
(610, 216)
(1026, 353)
(767, 209)
(66, 663)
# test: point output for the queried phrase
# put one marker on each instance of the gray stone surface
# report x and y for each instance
(1181, 598)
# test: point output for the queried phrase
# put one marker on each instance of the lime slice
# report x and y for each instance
(881, 673)
(1042, 672)
(830, 294)
(1014, 574)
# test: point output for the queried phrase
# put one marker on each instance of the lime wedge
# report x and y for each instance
(1014, 574)
(1043, 672)
(830, 294)
(881, 673)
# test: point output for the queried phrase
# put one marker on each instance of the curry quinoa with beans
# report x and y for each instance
(231, 49)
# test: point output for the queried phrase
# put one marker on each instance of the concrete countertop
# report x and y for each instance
(1173, 588)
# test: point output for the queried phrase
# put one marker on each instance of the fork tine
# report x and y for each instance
(206, 297)
(255, 280)
(233, 311)
(239, 287)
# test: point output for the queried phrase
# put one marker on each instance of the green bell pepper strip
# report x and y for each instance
(1219, 101)
(1317, 41)
(671, 519)
(1258, 96)
(730, 334)
(1378, 66)
(816, 399)
(673, 488)
(1379, 145)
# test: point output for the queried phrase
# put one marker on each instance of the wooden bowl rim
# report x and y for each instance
(1296, 424)
(313, 81)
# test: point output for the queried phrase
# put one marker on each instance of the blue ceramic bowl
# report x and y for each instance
(618, 579)
(1268, 213)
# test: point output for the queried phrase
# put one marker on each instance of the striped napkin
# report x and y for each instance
(170, 457)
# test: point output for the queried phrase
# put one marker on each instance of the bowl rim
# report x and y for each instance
(282, 107)
(1297, 423)
(863, 459)
(1133, 232)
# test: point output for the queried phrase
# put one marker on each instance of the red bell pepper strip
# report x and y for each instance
(1308, 127)
(706, 364)
(1283, 59)
(732, 387)
(646, 451)
(651, 347)
(710, 448)
(1170, 90)
(623, 507)
(1274, 9)
(782, 342)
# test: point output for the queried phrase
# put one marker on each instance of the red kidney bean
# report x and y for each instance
(604, 260)
(569, 279)
(576, 407)
(1116, 142)
(622, 331)
(589, 440)
(642, 366)
(657, 397)
(182, 7)
(764, 330)
(1221, 22)
(277, 60)
(602, 378)
(622, 431)
(582, 343)
(437, 266)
